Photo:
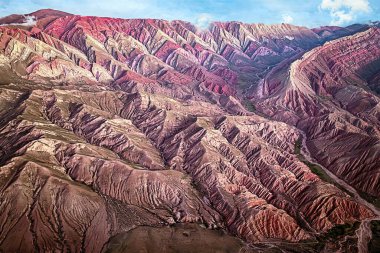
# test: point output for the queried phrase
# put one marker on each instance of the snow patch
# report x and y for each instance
(289, 37)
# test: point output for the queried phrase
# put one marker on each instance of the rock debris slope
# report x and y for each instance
(109, 124)
(329, 94)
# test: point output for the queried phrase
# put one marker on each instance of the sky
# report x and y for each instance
(310, 13)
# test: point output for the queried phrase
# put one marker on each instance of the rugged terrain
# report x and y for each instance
(268, 132)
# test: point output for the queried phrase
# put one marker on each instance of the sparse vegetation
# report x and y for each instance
(319, 172)
(316, 169)
(326, 241)
(313, 167)
(298, 146)
(342, 230)
(374, 243)
(249, 105)
(337, 233)
(370, 198)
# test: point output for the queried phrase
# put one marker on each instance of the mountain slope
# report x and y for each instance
(327, 95)
(109, 124)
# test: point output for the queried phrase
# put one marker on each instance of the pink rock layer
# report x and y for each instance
(108, 124)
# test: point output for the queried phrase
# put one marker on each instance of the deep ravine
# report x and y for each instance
(364, 233)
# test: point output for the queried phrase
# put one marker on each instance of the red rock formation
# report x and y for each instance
(326, 94)
(107, 124)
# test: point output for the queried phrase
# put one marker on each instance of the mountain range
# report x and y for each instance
(113, 130)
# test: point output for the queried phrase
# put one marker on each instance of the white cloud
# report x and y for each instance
(28, 21)
(287, 19)
(355, 5)
(345, 11)
(341, 17)
(203, 20)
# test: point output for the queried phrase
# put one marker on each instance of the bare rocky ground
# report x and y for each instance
(113, 129)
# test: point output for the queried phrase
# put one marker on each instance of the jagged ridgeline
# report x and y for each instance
(267, 134)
